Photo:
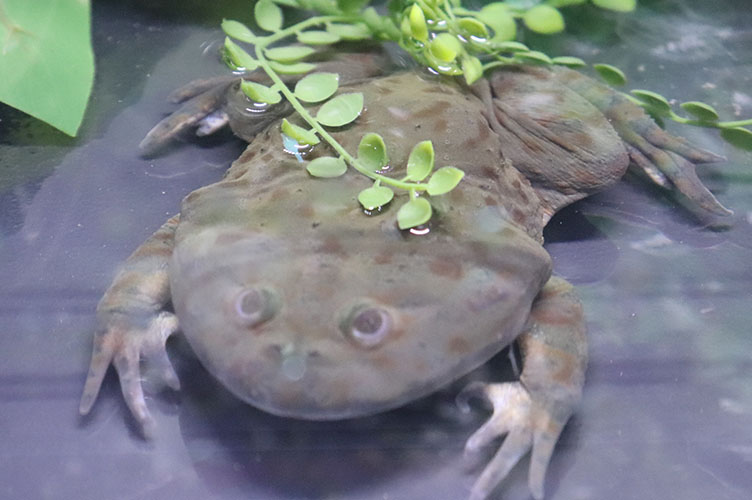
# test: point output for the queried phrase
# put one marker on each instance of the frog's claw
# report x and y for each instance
(533, 412)
(133, 326)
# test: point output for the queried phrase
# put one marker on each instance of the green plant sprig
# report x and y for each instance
(335, 112)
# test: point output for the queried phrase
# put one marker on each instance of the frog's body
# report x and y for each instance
(305, 307)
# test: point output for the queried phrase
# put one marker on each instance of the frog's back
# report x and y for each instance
(305, 307)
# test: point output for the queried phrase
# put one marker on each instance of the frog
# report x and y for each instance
(303, 306)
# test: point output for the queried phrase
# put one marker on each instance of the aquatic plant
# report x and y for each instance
(441, 35)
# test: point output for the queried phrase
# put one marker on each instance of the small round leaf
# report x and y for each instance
(289, 54)
(317, 37)
(372, 152)
(611, 74)
(327, 166)
(569, 61)
(473, 28)
(534, 57)
(291, 69)
(509, 47)
(268, 15)
(420, 161)
(357, 31)
(444, 180)
(657, 102)
(544, 19)
(240, 59)
(317, 87)
(375, 196)
(238, 31)
(341, 110)
(617, 5)
(418, 26)
(300, 134)
(700, 110)
(260, 93)
(414, 213)
(498, 17)
(472, 68)
(738, 136)
(445, 47)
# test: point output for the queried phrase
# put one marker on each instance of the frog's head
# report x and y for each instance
(318, 311)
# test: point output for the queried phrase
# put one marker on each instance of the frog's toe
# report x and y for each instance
(124, 345)
(190, 114)
(526, 425)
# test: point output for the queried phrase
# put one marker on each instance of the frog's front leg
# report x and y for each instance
(132, 324)
(533, 411)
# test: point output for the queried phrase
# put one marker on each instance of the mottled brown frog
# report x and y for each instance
(304, 307)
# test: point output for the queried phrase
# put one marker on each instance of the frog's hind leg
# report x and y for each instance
(132, 324)
(666, 159)
(532, 412)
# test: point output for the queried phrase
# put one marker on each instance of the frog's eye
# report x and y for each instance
(368, 326)
(255, 305)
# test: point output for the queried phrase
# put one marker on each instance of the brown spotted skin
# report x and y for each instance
(305, 307)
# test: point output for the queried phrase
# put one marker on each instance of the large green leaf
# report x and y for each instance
(46, 60)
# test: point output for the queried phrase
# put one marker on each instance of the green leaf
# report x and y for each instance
(317, 37)
(268, 15)
(510, 47)
(700, 110)
(544, 19)
(444, 180)
(473, 28)
(238, 31)
(260, 93)
(341, 110)
(533, 56)
(351, 6)
(418, 26)
(240, 59)
(498, 17)
(288, 3)
(657, 102)
(617, 5)
(372, 152)
(291, 69)
(357, 31)
(738, 136)
(317, 87)
(46, 61)
(443, 67)
(611, 74)
(472, 68)
(289, 54)
(420, 161)
(445, 47)
(414, 213)
(327, 166)
(375, 196)
(569, 61)
(300, 134)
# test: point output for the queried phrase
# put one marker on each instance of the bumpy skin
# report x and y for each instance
(305, 307)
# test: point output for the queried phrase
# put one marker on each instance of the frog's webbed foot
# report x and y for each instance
(525, 424)
(121, 341)
(133, 325)
(668, 160)
(533, 412)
